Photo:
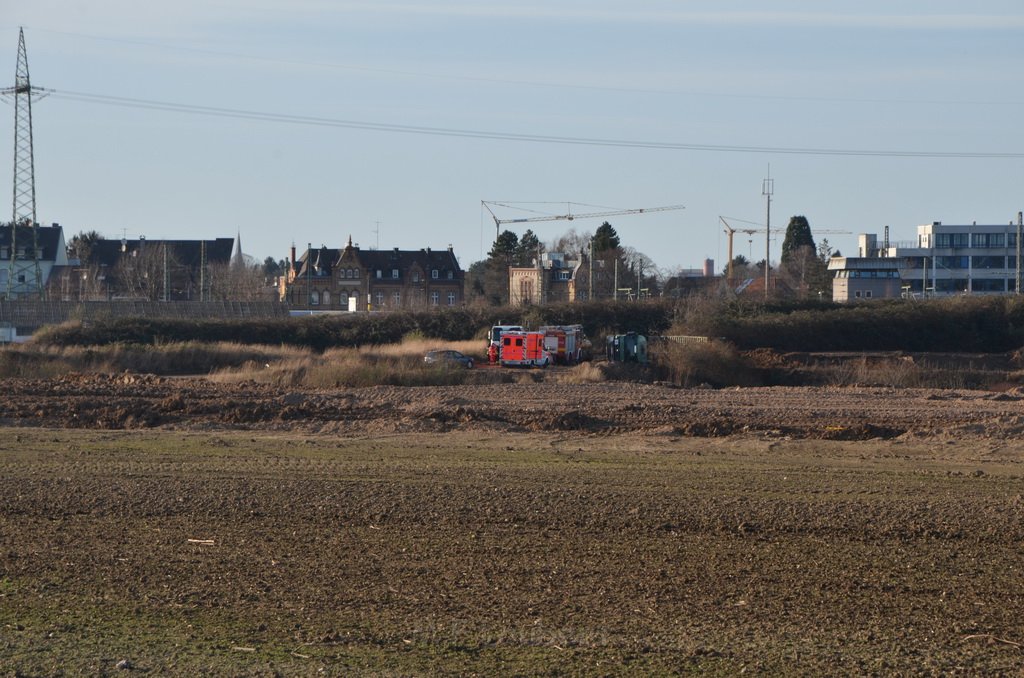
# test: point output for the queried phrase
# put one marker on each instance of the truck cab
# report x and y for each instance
(494, 334)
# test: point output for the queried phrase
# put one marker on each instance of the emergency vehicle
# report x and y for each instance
(523, 349)
(566, 343)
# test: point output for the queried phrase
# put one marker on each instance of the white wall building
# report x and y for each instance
(951, 259)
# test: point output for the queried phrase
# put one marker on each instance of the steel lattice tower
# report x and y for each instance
(21, 261)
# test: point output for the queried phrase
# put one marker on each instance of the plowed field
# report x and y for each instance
(175, 527)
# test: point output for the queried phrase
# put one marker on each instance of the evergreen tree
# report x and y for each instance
(605, 239)
(528, 248)
(81, 246)
(798, 235)
(505, 247)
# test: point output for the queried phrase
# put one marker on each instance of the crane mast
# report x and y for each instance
(569, 216)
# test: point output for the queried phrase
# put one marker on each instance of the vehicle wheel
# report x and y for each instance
(469, 365)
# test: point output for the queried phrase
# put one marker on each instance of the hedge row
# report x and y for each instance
(957, 325)
(327, 331)
(964, 324)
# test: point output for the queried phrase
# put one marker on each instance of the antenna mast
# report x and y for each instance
(23, 257)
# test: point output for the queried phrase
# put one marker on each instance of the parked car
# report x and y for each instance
(448, 357)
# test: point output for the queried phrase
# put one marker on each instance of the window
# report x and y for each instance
(951, 285)
(326, 298)
(451, 275)
(867, 294)
(416, 276)
(343, 299)
(380, 299)
(435, 298)
(988, 285)
(394, 274)
(988, 262)
(951, 262)
(857, 294)
(396, 299)
(433, 274)
(987, 240)
(451, 298)
(951, 239)
(314, 298)
(379, 274)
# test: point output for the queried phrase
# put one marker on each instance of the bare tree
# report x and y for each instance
(139, 273)
(229, 282)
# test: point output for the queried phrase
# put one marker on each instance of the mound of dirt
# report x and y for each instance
(142, 401)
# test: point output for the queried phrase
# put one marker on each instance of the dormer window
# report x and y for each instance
(433, 274)
(394, 274)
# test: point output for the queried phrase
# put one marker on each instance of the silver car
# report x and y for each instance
(448, 357)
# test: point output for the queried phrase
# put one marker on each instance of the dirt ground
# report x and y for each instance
(176, 526)
(132, 401)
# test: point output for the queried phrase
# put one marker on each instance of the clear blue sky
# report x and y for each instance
(339, 89)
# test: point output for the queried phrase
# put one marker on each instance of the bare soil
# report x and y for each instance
(131, 401)
(177, 526)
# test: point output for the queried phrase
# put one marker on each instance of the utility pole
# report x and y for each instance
(767, 189)
(24, 212)
(590, 289)
(167, 276)
(615, 294)
(1020, 227)
(203, 296)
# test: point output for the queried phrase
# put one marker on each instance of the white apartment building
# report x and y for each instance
(951, 259)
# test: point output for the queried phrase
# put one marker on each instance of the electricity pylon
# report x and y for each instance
(20, 258)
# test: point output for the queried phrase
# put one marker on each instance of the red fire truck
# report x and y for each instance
(566, 343)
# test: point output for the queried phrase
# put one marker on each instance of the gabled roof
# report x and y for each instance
(184, 252)
(324, 260)
(385, 260)
(50, 240)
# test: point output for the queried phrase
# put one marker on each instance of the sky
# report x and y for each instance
(312, 121)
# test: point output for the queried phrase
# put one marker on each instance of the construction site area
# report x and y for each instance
(176, 525)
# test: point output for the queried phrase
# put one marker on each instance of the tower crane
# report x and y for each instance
(730, 230)
(569, 216)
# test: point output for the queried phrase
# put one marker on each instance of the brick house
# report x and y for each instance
(353, 279)
(554, 279)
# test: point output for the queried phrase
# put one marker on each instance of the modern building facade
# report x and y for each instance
(862, 278)
(945, 259)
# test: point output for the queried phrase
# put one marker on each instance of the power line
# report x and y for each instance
(529, 83)
(241, 114)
